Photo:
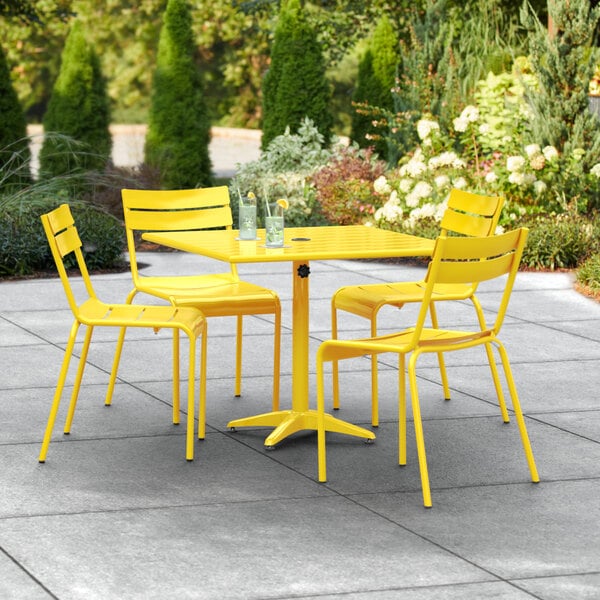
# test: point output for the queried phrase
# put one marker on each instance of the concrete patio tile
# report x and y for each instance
(542, 386)
(12, 335)
(228, 551)
(132, 413)
(141, 472)
(582, 587)
(38, 366)
(582, 423)
(17, 584)
(511, 531)
(460, 452)
(498, 590)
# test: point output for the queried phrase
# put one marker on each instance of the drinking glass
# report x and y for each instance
(274, 227)
(247, 216)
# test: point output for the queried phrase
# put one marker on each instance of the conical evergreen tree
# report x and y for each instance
(179, 127)
(14, 146)
(376, 78)
(295, 86)
(564, 63)
(79, 109)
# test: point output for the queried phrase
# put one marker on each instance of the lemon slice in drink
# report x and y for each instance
(283, 203)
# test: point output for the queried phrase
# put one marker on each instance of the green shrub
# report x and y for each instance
(24, 249)
(588, 274)
(79, 110)
(283, 171)
(559, 241)
(295, 85)
(179, 127)
(376, 78)
(14, 145)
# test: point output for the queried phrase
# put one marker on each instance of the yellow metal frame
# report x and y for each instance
(301, 245)
(216, 295)
(467, 214)
(456, 261)
(63, 239)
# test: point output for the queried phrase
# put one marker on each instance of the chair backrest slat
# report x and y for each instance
(63, 239)
(174, 210)
(471, 214)
(177, 210)
(460, 260)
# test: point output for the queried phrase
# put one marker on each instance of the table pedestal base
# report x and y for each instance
(287, 422)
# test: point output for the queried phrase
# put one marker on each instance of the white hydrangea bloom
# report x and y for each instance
(460, 183)
(517, 178)
(595, 170)
(515, 163)
(532, 150)
(425, 127)
(441, 181)
(539, 187)
(550, 153)
(412, 200)
(415, 166)
(460, 124)
(381, 186)
(470, 113)
(405, 185)
(422, 189)
(440, 210)
(491, 177)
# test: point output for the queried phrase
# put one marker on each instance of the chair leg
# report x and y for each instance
(277, 359)
(335, 374)
(401, 410)
(321, 449)
(202, 402)
(238, 357)
(419, 431)
(58, 392)
(191, 405)
(78, 378)
(176, 382)
(115, 367)
(518, 413)
(440, 356)
(374, 379)
(491, 361)
(117, 358)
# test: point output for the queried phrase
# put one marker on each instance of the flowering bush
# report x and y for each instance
(532, 179)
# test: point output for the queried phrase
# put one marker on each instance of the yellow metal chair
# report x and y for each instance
(456, 261)
(216, 295)
(467, 214)
(90, 311)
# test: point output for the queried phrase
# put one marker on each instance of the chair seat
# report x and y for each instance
(207, 292)
(365, 300)
(97, 313)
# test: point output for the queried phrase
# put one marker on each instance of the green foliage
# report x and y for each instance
(24, 249)
(345, 187)
(179, 128)
(559, 241)
(295, 86)
(588, 274)
(376, 78)
(14, 145)
(79, 109)
(564, 64)
(283, 171)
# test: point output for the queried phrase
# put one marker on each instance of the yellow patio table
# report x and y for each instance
(301, 245)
